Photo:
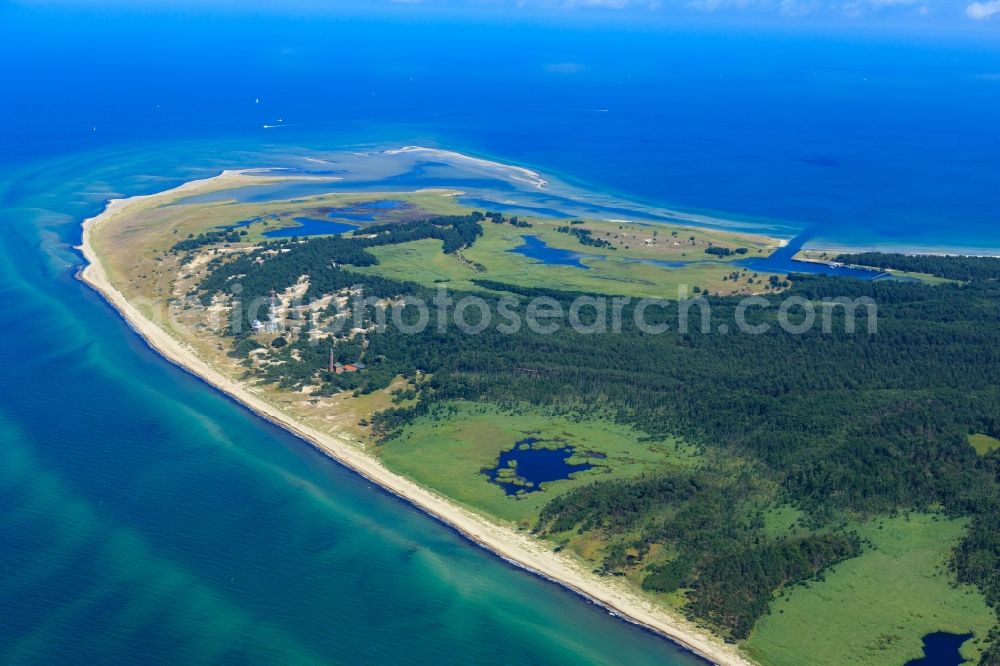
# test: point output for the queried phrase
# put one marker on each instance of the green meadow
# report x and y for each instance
(984, 444)
(875, 609)
(608, 271)
(447, 452)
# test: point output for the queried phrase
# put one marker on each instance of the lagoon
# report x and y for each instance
(534, 247)
(310, 226)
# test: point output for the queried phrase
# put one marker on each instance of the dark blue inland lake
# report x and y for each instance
(535, 248)
(941, 649)
(529, 464)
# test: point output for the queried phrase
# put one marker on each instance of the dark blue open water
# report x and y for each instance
(941, 649)
(534, 465)
(145, 518)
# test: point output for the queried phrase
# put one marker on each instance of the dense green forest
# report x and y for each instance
(842, 425)
(952, 267)
(732, 571)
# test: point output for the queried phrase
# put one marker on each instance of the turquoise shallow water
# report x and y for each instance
(146, 517)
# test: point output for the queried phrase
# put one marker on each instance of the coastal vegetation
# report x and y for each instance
(756, 483)
(952, 267)
(624, 262)
(900, 585)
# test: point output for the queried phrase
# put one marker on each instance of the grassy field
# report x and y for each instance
(984, 444)
(448, 454)
(782, 522)
(875, 609)
(617, 272)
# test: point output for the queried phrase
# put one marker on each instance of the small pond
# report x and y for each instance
(532, 462)
(941, 649)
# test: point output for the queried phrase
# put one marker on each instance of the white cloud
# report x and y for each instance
(979, 11)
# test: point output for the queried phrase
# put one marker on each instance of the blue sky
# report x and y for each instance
(901, 15)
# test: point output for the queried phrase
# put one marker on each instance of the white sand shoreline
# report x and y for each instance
(520, 174)
(513, 546)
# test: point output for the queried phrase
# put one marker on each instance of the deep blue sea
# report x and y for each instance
(146, 517)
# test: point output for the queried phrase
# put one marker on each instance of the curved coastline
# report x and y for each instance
(506, 543)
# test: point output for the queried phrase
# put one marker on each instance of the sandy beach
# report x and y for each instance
(516, 547)
(515, 172)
